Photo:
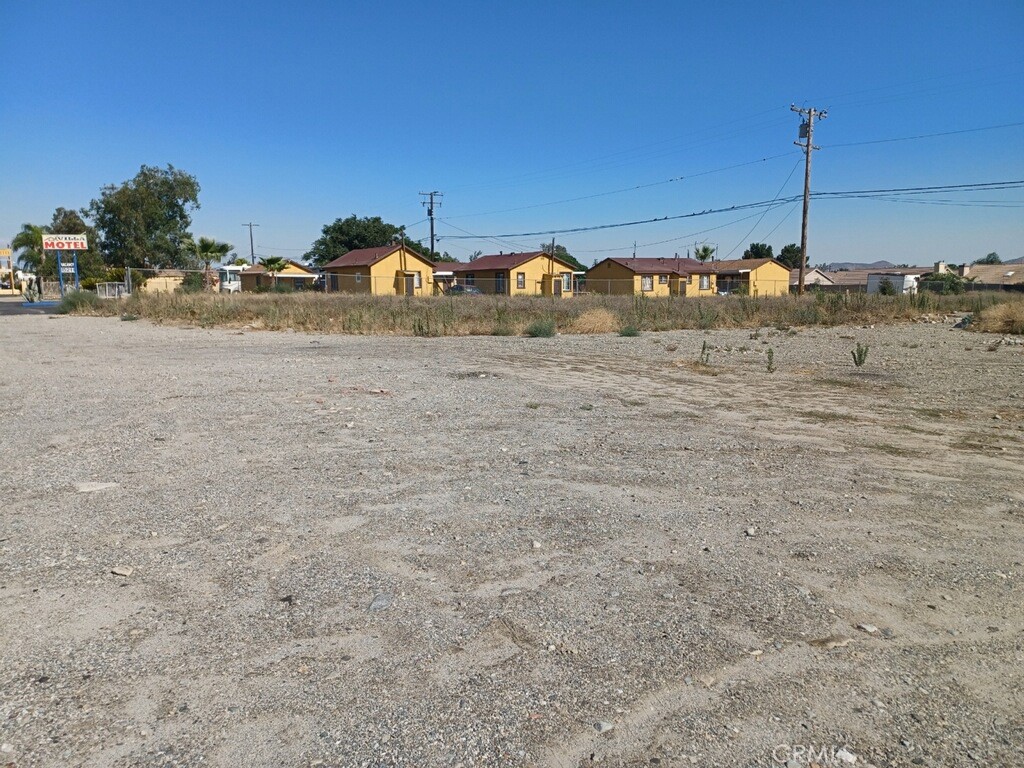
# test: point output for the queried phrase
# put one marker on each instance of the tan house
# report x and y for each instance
(652, 277)
(535, 273)
(752, 277)
(391, 270)
(812, 278)
(162, 281)
(297, 276)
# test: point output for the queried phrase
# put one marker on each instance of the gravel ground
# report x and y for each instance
(271, 549)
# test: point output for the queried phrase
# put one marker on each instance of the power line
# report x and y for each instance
(765, 212)
(624, 189)
(980, 186)
(925, 135)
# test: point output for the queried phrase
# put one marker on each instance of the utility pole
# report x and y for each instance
(252, 249)
(430, 214)
(806, 132)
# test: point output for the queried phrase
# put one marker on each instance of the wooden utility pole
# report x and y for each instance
(430, 214)
(252, 249)
(806, 132)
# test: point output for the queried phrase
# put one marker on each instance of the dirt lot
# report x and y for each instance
(503, 551)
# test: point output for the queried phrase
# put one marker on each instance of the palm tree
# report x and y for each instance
(30, 242)
(208, 249)
(703, 252)
(273, 265)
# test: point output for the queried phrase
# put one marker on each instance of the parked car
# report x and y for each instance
(464, 290)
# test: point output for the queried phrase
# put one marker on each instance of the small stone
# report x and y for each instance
(869, 628)
(603, 726)
(536, 545)
(751, 531)
(380, 602)
(7, 748)
(846, 756)
(93, 487)
(123, 570)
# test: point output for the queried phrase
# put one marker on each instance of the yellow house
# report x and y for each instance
(162, 281)
(517, 274)
(752, 277)
(652, 277)
(391, 270)
(296, 275)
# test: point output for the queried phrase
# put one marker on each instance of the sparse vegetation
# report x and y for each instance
(484, 315)
(771, 360)
(82, 303)
(629, 330)
(1000, 318)
(542, 328)
(860, 354)
(705, 354)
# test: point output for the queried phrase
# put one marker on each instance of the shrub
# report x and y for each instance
(629, 330)
(887, 287)
(78, 302)
(941, 282)
(860, 354)
(598, 320)
(543, 328)
(192, 283)
(1002, 318)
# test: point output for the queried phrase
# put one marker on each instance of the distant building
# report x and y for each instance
(391, 270)
(534, 273)
(652, 277)
(296, 275)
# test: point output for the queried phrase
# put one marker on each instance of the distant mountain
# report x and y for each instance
(844, 265)
(1015, 261)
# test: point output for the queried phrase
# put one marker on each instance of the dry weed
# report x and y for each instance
(1001, 318)
(598, 320)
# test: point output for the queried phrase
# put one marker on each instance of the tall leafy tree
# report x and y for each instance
(790, 255)
(992, 258)
(144, 221)
(562, 253)
(703, 252)
(354, 233)
(29, 241)
(758, 251)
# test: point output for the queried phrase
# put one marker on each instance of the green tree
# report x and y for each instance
(205, 251)
(144, 221)
(30, 242)
(758, 251)
(703, 253)
(992, 258)
(790, 256)
(352, 234)
(562, 253)
(273, 265)
(67, 221)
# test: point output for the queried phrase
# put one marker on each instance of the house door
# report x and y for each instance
(410, 285)
(499, 283)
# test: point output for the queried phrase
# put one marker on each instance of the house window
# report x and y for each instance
(359, 277)
(647, 282)
(662, 279)
(705, 282)
(471, 279)
(417, 281)
(689, 279)
(567, 282)
(520, 280)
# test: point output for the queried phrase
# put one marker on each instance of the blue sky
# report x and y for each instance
(292, 115)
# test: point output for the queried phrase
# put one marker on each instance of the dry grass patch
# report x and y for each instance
(1000, 318)
(598, 320)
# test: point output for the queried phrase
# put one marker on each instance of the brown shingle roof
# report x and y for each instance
(257, 269)
(498, 261)
(365, 257)
(662, 266)
(738, 266)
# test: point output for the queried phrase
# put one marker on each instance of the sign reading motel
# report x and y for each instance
(64, 243)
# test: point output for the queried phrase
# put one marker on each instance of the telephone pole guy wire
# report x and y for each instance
(252, 249)
(429, 203)
(806, 132)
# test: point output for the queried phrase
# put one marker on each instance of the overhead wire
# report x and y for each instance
(765, 213)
